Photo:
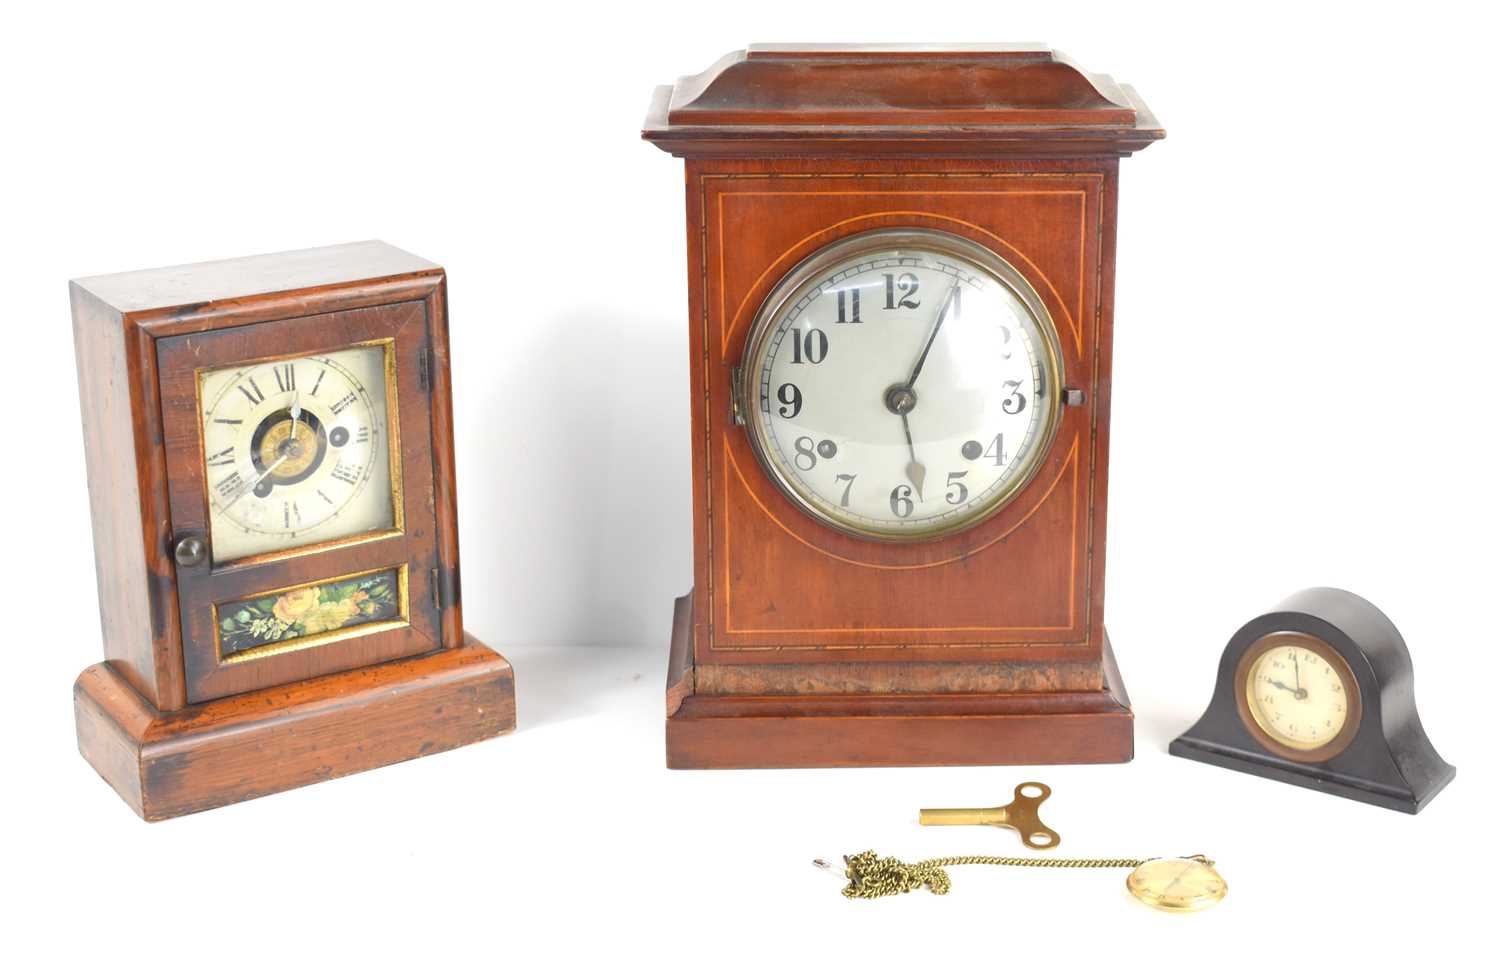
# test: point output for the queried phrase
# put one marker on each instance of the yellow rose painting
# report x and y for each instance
(291, 605)
(257, 621)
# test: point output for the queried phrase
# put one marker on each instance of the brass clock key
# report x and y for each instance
(1180, 884)
(1020, 815)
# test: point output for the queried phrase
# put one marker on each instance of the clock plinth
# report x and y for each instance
(741, 731)
(166, 764)
(901, 270)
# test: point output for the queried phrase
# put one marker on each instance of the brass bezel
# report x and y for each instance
(307, 642)
(1251, 718)
(393, 445)
(1134, 883)
(932, 240)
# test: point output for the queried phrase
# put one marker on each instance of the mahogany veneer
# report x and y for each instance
(801, 645)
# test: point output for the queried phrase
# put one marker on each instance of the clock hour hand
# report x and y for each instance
(296, 414)
(915, 471)
(1299, 693)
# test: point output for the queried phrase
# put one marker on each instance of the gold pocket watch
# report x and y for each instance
(1173, 884)
(1177, 884)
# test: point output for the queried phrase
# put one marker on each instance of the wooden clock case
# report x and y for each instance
(171, 726)
(803, 646)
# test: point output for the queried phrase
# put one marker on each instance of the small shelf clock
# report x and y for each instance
(270, 459)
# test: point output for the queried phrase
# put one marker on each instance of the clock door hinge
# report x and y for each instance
(424, 369)
(444, 588)
(736, 396)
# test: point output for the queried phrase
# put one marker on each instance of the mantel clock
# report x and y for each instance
(1319, 692)
(900, 283)
(270, 460)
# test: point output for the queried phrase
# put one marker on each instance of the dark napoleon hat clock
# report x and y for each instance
(900, 288)
(1318, 692)
(270, 461)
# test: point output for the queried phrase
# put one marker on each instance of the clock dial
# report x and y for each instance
(1298, 691)
(297, 451)
(1176, 884)
(902, 384)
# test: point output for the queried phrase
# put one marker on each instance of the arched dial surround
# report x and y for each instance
(297, 451)
(902, 384)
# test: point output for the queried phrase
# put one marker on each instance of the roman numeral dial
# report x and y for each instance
(297, 451)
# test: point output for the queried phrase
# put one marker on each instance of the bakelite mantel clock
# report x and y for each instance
(270, 460)
(1319, 692)
(900, 282)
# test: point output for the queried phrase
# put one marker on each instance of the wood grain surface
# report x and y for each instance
(803, 645)
(166, 764)
(172, 725)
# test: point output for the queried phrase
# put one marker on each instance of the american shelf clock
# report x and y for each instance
(900, 284)
(270, 461)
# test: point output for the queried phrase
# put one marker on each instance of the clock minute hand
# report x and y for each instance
(937, 325)
(256, 481)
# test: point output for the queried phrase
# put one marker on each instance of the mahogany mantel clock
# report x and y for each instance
(270, 461)
(901, 268)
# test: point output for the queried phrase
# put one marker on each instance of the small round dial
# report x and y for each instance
(1298, 696)
(296, 451)
(1175, 884)
(902, 384)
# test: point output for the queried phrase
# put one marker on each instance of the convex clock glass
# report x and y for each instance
(1298, 696)
(298, 451)
(902, 384)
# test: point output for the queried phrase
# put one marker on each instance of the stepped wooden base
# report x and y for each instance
(167, 764)
(827, 731)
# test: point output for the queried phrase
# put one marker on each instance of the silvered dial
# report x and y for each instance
(296, 451)
(902, 384)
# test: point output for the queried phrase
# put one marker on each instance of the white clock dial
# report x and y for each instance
(1298, 697)
(902, 384)
(297, 451)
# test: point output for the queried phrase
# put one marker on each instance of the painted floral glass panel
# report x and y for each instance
(257, 621)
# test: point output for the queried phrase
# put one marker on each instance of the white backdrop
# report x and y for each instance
(1306, 337)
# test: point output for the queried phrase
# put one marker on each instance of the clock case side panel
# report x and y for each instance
(449, 589)
(126, 469)
(700, 395)
(1390, 762)
(433, 586)
(1029, 667)
(1101, 395)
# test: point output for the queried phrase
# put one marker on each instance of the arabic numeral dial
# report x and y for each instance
(902, 384)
